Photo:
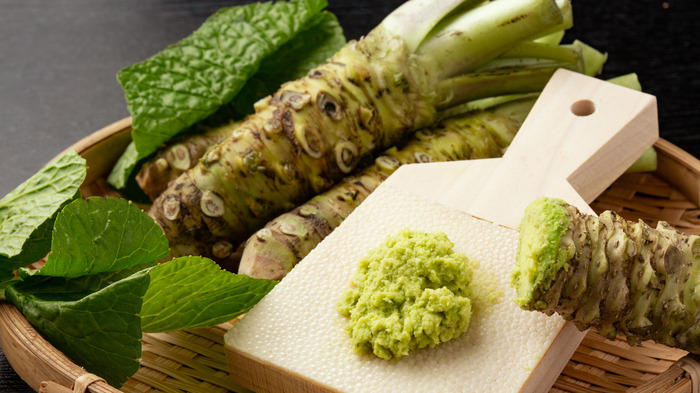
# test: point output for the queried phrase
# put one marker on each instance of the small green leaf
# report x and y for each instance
(190, 80)
(103, 235)
(124, 167)
(192, 292)
(5, 281)
(27, 213)
(100, 331)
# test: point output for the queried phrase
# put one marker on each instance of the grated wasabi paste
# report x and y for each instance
(411, 292)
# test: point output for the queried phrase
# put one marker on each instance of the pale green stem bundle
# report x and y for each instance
(620, 277)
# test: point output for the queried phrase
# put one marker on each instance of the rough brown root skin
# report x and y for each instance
(184, 153)
(299, 142)
(274, 250)
(626, 278)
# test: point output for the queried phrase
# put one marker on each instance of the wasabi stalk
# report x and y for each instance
(274, 250)
(621, 277)
(313, 131)
(182, 154)
(551, 39)
(467, 41)
(523, 69)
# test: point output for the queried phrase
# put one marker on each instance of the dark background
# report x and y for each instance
(58, 61)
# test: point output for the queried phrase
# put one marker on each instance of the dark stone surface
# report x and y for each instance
(58, 62)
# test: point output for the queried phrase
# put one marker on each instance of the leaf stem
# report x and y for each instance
(467, 41)
(498, 82)
(414, 19)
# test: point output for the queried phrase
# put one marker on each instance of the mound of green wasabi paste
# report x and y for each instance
(411, 292)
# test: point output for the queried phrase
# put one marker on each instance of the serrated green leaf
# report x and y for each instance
(71, 288)
(27, 213)
(311, 47)
(192, 292)
(103, 235)
(190, 80)
(100, 331)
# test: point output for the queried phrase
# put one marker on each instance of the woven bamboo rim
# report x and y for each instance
(195, 361)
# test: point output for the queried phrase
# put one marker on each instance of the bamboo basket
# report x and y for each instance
(195, 360)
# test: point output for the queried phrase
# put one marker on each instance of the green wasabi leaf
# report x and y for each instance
(190, 80)
(5, 281)
(311, 47)
(316, 41)
(124, 167)
(123, 175)
(100, 331)
(71, 287)
(103, 235)
(27, 213)
(192, 292)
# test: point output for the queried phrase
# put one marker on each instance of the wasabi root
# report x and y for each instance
(620, 277)
(274, 250)
(315, 130)
(182, 154)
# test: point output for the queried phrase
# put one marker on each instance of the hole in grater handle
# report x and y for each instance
(583, 108)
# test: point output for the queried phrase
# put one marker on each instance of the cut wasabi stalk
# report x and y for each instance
(522, 72)
(524, 69)
(621, 277)
(275, 249)
(594, 58)
(648, 162)
(630, 81)
(313, 131)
